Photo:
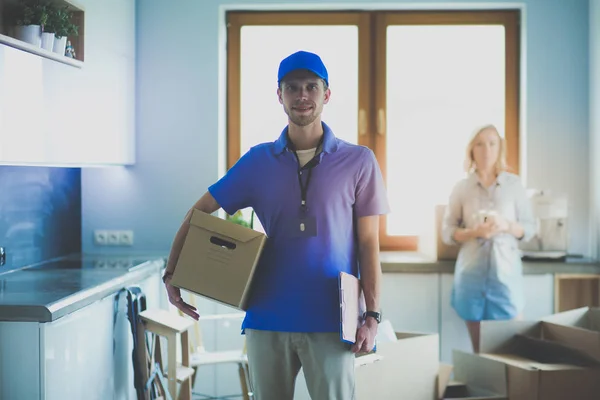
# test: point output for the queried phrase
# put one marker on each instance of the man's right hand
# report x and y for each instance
(175, 299)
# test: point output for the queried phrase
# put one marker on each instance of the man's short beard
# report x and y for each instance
(303, 120)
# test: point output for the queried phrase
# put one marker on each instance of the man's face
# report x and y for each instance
(303, 95)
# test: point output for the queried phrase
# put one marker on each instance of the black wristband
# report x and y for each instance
(373, 314)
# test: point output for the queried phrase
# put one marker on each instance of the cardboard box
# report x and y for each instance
(218, 260)
(534, 368)
(578, 329)
(481, 380)
(406, 369)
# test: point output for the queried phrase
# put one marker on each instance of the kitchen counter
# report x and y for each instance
(409, 262)
(49, 290)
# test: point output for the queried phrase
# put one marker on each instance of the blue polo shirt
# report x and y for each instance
(295, 285)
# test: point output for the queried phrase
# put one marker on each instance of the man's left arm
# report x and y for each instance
(370, 278)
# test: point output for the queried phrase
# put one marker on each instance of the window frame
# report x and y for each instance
(372, 44)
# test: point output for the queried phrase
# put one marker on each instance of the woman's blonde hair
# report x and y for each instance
(500, 162)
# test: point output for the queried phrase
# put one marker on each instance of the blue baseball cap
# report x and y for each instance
(303, 60)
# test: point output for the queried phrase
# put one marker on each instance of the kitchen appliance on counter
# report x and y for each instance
(551, 215)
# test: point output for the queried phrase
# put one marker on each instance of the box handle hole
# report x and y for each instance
(222, 243)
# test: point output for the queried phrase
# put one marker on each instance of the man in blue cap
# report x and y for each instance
(319, 199)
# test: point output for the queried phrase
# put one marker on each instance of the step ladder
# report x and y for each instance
(161, 323)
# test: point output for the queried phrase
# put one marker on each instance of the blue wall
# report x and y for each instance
(40, 213)
(180, 114)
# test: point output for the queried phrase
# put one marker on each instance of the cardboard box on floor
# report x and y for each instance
(534, 369)
(218, 260)
(405, 368)
(578, 329)
(403, 365)
(483, 380)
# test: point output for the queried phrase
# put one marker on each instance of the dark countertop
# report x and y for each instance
(49, 290)
(408, 262)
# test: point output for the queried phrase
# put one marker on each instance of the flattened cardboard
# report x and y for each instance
(550, 352)
(532, 380)
(464, 392)
(517, 344)
(404, 368)
(484, 377)
(499, 336)
(408, 369)
(472, 382)
(443, 380)
(579, 329)
(218, 260)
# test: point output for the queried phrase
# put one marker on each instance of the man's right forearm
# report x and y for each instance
(178, 244)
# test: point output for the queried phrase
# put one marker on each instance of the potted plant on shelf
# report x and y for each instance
(30, 17)
(59, 22)
(47, 31)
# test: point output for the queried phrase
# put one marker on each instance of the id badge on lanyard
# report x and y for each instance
(306, 224)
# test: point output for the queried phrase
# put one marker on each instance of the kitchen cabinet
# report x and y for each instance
(411, 302)
(453, 331)
(539, 296)
(77, 354)
(19, 360)
(84, 355)
(53, 113)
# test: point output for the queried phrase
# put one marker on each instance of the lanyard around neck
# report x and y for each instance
(308, 166)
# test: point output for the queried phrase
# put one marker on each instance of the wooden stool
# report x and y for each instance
(163, 323)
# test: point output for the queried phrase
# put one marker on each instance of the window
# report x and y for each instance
(412, 86)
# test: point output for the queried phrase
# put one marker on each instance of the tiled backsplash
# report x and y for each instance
(40, 213)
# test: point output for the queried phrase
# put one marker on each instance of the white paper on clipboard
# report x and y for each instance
(352, 306)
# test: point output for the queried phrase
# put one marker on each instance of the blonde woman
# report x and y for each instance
(488, 213)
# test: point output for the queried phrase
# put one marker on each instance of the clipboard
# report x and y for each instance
(352, 306)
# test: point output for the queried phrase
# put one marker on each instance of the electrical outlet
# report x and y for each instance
(104, 237)
(113, 238)
(126, 238)
(101, 237)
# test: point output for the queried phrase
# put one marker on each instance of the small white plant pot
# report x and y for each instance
(48, 41)
(60, 45)
(30, 34)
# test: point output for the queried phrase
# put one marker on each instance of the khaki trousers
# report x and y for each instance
(275, 358)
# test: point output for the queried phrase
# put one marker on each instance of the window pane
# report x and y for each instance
(442, 83)
(263, 47)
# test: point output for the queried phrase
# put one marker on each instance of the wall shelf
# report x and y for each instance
(12, 42)
(78, 18)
